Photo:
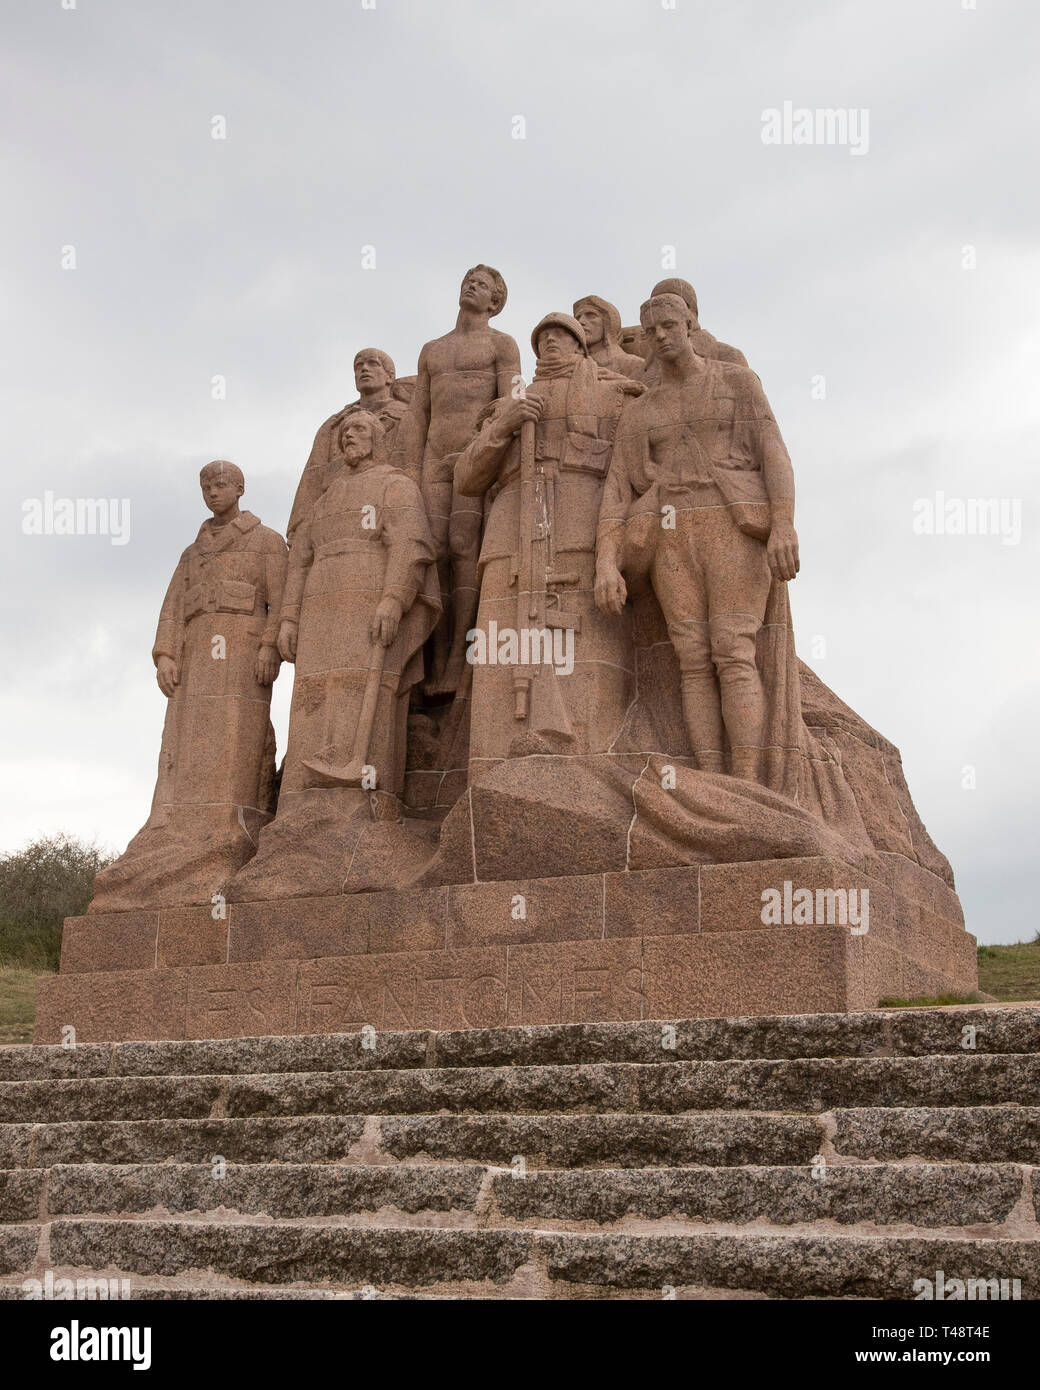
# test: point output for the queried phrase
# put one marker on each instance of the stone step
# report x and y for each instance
(548, 1140)
(502, 1263)
(920, 1195)
(915, 1032)
(997, 1134)
(17, 1291)
(804, 1084)
(275, 1190)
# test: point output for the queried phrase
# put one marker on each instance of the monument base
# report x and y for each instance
(769, 937)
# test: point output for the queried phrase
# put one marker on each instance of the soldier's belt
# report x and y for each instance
(346, 545)
(223, 596)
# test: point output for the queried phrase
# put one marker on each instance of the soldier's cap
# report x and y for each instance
(664, 301)
(223, 469)
(682, 288)
(609, 312)
(561, 320)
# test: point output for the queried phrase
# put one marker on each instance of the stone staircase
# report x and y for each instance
(815, 1156)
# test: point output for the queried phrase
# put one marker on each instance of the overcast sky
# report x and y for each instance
(392, 126)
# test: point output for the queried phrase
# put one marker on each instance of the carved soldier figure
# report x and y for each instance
(548, 454)
(378, 392)
(360, 601)
(216, 659)
(458, 376)
(602, 324)
(701, 484)
(704, 343)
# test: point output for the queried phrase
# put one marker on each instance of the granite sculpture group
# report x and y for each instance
(546, 700)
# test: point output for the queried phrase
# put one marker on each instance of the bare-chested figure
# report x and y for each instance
(459, 375)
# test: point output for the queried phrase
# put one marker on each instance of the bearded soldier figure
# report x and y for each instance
(376, 380)
(360, 600)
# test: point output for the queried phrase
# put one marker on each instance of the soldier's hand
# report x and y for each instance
(611, 590)
(267, 663)
(518, 412)
(168, 674)
(782, 550)
(387, 619)
(287, 640)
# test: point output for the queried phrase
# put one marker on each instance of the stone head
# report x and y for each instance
(599, 318)
(222, 485)
(361, 436)
(557, 337)
(373, 369)
(483, 290)
(667, 322)
(682, 288)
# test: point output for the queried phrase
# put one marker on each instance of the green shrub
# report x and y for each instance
(50, 879)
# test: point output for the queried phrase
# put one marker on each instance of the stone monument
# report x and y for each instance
(603, 787)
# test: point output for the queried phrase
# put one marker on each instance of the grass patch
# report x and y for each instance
(18, 987)
(930, 1001)
(1008, 974)
(1011, 972)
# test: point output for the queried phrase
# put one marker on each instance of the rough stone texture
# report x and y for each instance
(285, 1190)
(17, 1247)
(267, 1139)
(931, 1195)
(814, 1156)
(663, 943)
(788, 1267)
(598, 1141)
(20, 1193)
(894, 1032)
(283, 1253)
(805, 1084)
(1004, 1130)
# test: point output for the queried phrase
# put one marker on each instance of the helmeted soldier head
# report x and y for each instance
(599, 318)
(550, 336)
